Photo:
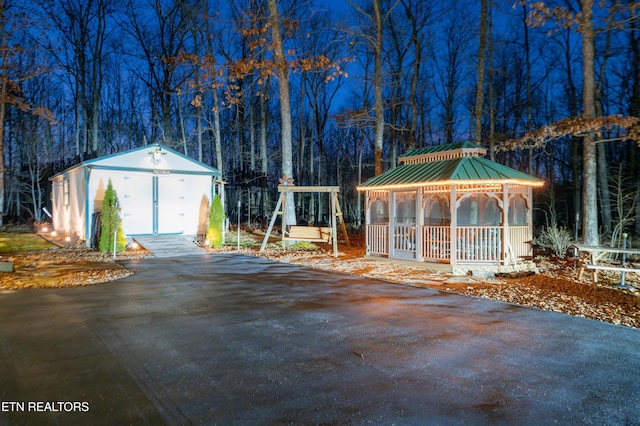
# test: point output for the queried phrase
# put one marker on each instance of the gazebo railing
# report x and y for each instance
(473, 243)
(521, 238)
(378, 239)
(436, 242)
(479, 243)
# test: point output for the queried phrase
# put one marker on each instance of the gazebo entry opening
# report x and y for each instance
(447, 204)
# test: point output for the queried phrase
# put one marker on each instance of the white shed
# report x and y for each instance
(160, 191)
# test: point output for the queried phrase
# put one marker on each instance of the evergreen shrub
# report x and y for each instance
(216, 223)
(110, 220)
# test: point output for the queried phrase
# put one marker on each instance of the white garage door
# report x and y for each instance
(137, 205)
(169, 214)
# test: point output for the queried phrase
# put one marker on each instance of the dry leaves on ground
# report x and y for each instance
(65, 267)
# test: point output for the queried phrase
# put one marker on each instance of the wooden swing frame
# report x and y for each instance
(309, 233)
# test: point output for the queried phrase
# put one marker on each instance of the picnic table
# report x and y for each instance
(596, 255)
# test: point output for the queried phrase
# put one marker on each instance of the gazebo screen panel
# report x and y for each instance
(520, 232)
(436, 228)
(479, 210)
(479, 236)
(378, 225)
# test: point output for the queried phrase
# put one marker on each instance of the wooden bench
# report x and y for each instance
(316, 234)
(597, 253)
(608, 268)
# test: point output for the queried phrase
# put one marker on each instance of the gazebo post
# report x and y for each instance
(454, 225)
(419, 220)
(506, 240)
(367, 221)
(334, 236)
(529, 200)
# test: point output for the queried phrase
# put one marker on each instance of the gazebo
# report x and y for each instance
(448, 204)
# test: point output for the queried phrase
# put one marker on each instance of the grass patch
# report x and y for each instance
(298, 245)
(18, 242)
(246, 239)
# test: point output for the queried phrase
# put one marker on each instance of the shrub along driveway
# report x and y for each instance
(238, 339)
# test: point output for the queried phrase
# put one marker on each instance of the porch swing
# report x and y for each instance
(320, 234)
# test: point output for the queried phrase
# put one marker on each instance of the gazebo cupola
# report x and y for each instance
(449, 204)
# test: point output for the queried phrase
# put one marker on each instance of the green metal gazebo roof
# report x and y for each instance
(459, 170)
(441, 148)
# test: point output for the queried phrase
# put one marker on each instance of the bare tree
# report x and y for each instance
(282, 73)
(161, 40)
(82, 30)
(15, 69)
(482, 47)
(376, 17)
(450, 71)
(583, 21)
(419, 17)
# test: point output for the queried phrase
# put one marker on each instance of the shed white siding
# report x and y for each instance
(168, 194)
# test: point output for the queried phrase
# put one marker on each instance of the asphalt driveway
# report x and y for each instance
(232, 339)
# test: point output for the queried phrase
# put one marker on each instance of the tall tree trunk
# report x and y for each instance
(477, 127)
(198, 107)
(264, 159)
(529, 106)
(282, 69)
(3, 106)
(492, 98)
(634, 109)
(590, 179)
(216, 102)
(415, 77)
(602, 166)
(4, 89)
(217, 140)
(576, 142)
(603, 188)
(377, 89)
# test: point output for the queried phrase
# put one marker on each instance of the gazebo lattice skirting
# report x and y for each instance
(447, 204)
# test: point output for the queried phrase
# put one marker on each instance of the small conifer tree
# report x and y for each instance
(110, 221)
(216, 223)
